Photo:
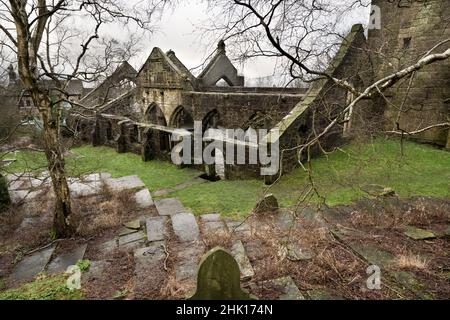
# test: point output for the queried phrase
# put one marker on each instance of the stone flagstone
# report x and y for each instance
(156, 228)
(143, 199)
(135, 224)
(64, 260)
(32, 265)
(131, 238)
(125, 183)
(85, 189)
(212, 223)
(219, 278)
(185, 227)
(418, 234)
(153, 252)
(238, 253)
(186, 264)
(239, 228)
(169, 207)
(289, 289)
(148, 261)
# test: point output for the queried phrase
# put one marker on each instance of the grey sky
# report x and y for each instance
(177, 31)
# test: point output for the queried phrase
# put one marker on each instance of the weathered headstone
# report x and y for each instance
(219, 278)
(5, 199)
(268, 204)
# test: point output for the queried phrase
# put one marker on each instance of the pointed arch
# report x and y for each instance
(181, 118)
(155, 115)
(211, 120)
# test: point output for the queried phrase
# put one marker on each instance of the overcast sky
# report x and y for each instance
(177, 31)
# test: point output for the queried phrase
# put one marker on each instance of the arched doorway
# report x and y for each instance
(155, 115)
(182, 119)
(211, 121)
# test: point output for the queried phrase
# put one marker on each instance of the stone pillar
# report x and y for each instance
(121, 144)
(95, 133)
(147, 152)
(5, 199)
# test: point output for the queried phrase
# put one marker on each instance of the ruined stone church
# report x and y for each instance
(163, 95)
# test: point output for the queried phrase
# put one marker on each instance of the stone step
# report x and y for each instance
(239, 254)
(169, 207)
(212, 223)
(132, 240)
(188, 256)
(241, 229)
(285, 287)
(143, 199)
(124, 183)
(149, 273)
(156, 228)
(185, 227)
(61, 262)
(32, 265)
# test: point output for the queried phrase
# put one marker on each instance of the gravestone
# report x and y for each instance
(5, 199)
(268, 204)
(219, 278)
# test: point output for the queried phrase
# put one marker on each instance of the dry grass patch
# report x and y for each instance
(99, 213)
(411, 261)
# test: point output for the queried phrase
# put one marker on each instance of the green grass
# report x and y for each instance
(422, 170)
(155, 174)
(49, 288)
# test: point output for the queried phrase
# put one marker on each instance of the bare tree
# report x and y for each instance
(59, 40)
(305, 35)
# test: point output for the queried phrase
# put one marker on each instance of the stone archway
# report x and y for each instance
(155, 115)
(211, 121)
(182, 119)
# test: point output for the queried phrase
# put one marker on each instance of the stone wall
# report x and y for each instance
(409, 29)
(324, 101)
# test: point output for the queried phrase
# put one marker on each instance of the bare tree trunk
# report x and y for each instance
(56, 166)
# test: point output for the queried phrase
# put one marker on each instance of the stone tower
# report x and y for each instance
(408, 30)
